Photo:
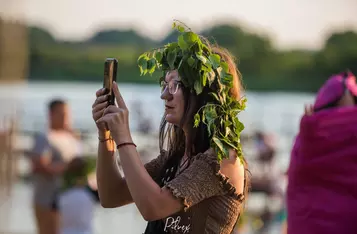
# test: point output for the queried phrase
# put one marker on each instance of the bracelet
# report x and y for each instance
(104, 140)
(125, 143)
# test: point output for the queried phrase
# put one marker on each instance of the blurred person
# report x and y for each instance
(187, 188)
(78, 197)
(321, 190)
(51, 152)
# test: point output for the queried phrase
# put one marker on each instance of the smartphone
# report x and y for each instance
(110, 75)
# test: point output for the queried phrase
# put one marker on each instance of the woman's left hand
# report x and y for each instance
(117, 118)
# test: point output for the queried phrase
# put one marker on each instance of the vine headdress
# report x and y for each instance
(198, 68)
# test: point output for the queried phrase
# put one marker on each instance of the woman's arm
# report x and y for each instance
(112, 188)
(196, 183)
(152, 201)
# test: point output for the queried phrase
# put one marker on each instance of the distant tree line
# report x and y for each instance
(263, 66)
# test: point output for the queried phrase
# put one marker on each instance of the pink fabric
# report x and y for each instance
(333, 89)
(322, 188)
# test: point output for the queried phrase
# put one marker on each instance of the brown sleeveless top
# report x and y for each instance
(211, 203)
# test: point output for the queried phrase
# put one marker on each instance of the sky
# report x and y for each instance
(290, 23)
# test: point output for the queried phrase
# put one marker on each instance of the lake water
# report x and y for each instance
(277, 113)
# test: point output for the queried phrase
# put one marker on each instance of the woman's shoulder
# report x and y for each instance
(230, 171)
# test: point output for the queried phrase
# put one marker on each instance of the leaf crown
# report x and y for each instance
(200, 68)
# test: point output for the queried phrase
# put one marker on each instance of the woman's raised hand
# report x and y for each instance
(115, 118)
(98, 108)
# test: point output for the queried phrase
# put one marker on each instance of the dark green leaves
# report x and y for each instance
(171, 58)
(187, 39)
(215, 60)
(158, 56)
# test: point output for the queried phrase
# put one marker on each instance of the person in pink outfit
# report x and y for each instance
(322, 176)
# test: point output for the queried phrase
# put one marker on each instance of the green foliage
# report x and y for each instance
(264, 67)
(200, 68)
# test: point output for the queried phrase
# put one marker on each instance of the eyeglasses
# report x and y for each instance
(172, 86)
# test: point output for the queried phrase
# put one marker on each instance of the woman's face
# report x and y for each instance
(171, 93)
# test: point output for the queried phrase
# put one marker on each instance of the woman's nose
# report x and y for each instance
(165, 95)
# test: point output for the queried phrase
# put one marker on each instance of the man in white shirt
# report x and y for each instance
(50, 155)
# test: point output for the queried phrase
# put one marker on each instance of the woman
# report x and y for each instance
(197, 183)
(321, 193)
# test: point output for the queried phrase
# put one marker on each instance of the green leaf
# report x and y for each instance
(224, 66)
(158, 56)
(196, 120)
(218, 143)
(198, 87)
(142, 63)
(180, 28)
(201, 58)
(151, 65)
(230, 144)
(215, 60)
(171, 57)
(204, 79)
(182, 43)
(227, 79)
(215, 96)
(211, 76)
(221, 147)
(191, 61)
(190, 38)
(239, 126)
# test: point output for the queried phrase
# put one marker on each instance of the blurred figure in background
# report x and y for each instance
(321, 194)
(50, 154)
(78, 199)
(7, 157)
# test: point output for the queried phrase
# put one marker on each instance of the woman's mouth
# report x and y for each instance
(167, 107)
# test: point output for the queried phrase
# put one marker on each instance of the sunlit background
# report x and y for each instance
(284, 49)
